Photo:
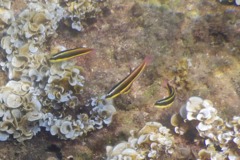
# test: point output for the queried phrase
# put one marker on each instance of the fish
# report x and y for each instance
(125, 84)
(168, 101)
(68, 54)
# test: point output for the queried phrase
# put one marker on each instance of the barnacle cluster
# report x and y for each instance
(200, 114)
(153, 141)
(38, 92)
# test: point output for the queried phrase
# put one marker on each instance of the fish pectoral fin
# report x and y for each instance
(127, 90)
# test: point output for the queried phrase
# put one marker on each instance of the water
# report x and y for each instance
(194, 45)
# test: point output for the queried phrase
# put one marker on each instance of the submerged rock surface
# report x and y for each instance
(195, 45)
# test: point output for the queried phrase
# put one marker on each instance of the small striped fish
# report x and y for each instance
(168, 101)
(124, 85)
(68, 54)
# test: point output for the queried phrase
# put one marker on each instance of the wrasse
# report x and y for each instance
(68, 54)
(124, 85)
(168, 101)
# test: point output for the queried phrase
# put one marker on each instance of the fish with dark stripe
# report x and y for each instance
(168, 101)
(68, 54)
(124, 85)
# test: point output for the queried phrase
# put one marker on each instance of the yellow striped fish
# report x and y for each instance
(168, 101)
(124, 85)
(68, 54)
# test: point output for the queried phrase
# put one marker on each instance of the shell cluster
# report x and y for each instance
(201, 115)
(40, 93)
(70, 128)
(153, 141)
(78, 10)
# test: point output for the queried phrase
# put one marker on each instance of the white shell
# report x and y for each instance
(7, 126)
(19, 61)
(36, 103)
(183, 112)
(109, 150)
(33, 48)
(163, 130)
(33, 27)
(6, 44)
(5, 16)
(191, 116)
(71, 134)
(129, 152)
(203, 127)
(7, 116)
(119, 148)
(14, 73)
(44, 70)
(16, 113)
(133, 142)
(195, 100)
(204, 114)
(3, 136)
(152, 154)
(1, 111)
(108, 120)
(237, 141)
(237, 2)
(110, 109)
(13, 101)
(154, 145)
(34, 116)
(193, 104)
(66, 127)
(77, 26)
(25, 87)
(6, 4)
(153, 137)
(142, 139)
(207, 103)
(150, 127)
(16, 87)
(54, 130)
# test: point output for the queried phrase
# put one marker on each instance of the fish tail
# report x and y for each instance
(165, 83)
(93, 51)
(148, 59)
